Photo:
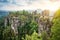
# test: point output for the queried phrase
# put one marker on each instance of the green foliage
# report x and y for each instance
(8, 34)
(34, 36)
(2, 21)
(57, 14)
(56, 27)
(1, 32)
(28, 28)
(56, 30)
(44, 36)
(27, 24)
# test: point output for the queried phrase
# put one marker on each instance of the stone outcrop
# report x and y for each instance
(44, 22)
(13, 22)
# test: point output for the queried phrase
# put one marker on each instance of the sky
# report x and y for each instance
(15, 5)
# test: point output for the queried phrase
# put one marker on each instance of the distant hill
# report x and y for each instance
(3, 13)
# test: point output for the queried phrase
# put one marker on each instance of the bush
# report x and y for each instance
(34, 36)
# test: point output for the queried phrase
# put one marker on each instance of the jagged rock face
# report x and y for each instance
(44, 23)
(13, 22)
(7, 21)
(45, 13)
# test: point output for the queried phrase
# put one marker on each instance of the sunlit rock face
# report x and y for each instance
(45, 13)
(44, 22)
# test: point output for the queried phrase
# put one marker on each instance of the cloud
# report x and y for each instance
(29, 4)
